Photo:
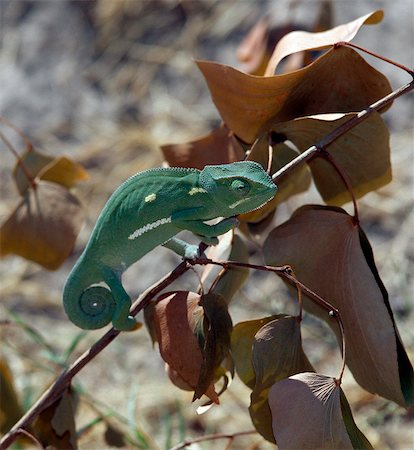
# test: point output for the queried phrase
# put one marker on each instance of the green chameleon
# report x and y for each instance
(148, 210)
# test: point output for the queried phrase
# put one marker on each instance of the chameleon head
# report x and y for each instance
(238, 187)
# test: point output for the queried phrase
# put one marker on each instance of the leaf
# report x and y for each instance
(176, 318)
(338, 81)
(44, 226)
(277, 353)
(363, 154)
(298, 182)
(230, 279)
(55, 426)
(298, 41)
(218, 147)
(217, 339)
(10, 409)
(317, 398)
(241, 348)
(60, 170)
(330, 254)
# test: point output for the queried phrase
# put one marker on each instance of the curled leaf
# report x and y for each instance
(331, 255)
(44, 226)
(298, 41)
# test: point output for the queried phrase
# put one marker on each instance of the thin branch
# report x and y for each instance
(212, 437)
(376, 55)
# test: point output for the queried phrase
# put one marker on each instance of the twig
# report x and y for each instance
(212, 437)
(375, 55)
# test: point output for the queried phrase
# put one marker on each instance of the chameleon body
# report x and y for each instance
(148, 210)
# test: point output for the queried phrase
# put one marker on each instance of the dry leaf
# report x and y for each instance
(330, 254)
(44, 226)
(298, 41)
(60, 170)
(55, 426)
(338, 81)
(241, 348)
(277, 353)
(10, 409)
(176, 318)
(306, 413)
(218, 147)
(363, 154)
(216, 347)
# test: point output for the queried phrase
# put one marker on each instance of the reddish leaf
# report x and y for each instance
(10, 409)
(330, 254)
(176, 318)
(218, 147)
(44, 226)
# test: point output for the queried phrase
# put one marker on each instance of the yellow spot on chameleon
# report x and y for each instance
(197, 190)
(150, 198)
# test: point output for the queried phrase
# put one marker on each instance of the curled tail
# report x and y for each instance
(88, 306)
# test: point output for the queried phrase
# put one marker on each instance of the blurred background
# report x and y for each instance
(107, 82)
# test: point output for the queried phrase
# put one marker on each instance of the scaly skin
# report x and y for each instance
(148, 210)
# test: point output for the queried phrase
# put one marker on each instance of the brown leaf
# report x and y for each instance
(60, 170)
(277, 353)
(55, 426)
(218, 327)
(306, 413)
(298, 41)
(218, 147)
(44, 226)
(177, 316)
(363, 154)
(330, 254)
(338, 81)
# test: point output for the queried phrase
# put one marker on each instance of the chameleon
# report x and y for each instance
(146, 211)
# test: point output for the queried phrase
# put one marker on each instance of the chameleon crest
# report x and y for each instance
(148, 210)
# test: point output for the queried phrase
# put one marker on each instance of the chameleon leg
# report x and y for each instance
(121, 319)
(182, 248)
(208, 231)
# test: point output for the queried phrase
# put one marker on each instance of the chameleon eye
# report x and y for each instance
(240, 186)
